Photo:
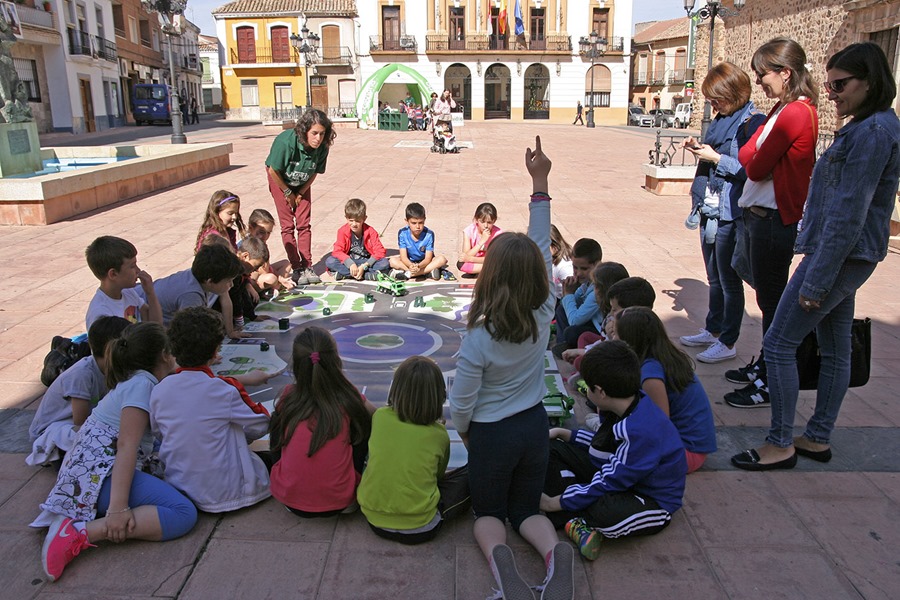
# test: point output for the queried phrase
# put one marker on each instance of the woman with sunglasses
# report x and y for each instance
(843, 236)
(778, 161)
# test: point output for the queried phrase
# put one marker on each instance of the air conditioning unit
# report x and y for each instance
(407, 41)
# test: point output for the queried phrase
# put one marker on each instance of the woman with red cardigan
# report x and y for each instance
(778, 161)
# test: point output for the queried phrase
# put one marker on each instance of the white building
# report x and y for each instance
(418, 46)
(211, 79)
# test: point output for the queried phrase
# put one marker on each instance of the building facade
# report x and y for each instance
(139, 42)
(265, 77)
(210, 77)
(822, 27)
(38, 38)
(660, 64)
(512, 59)
(186, 56)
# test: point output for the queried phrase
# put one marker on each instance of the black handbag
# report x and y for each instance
(809, 360)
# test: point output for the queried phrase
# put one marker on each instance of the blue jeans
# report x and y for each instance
(336, 266)
(832, 323)
(726, 290)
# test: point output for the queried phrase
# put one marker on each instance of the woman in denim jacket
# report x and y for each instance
(843, 236)
(717, 185)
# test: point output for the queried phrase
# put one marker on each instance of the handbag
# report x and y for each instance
(809, 360)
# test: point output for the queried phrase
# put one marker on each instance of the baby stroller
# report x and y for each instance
(444, 140)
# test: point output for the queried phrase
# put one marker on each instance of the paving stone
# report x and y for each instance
(270, 520)
(14, 425)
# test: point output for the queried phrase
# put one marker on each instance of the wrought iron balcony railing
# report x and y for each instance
(404, 43)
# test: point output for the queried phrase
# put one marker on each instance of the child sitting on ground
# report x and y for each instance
(271, 276)
(319, 432)
(416, 243)
(358, 252)
(668, 378)
(101, 492)
(223, 217)
(578, 312)
(204, 440)
(210, 276)
(405, 494)
(627, 478)
(477, 237)
(561, 251)
(72, 396)
(113, 261)
(253, 254)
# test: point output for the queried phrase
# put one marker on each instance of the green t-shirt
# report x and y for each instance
(399, 486)
(293, 162)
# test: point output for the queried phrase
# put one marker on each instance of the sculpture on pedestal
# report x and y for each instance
(13, 93)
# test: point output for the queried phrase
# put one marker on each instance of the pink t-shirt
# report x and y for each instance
(471, 233)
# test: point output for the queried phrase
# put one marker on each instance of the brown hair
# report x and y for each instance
(219, 201)
(784, 53)
(642, 329)
(140, 347)
(563, 248)
(418, 391)
(315, 117)
(512, 284)
(355, 209)
(108, 252)
(728, 83)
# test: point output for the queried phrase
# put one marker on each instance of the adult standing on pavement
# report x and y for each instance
(844, 235)
(778, 161)
(718, 184)
(296, 158)
(195, 111)
(442, 107)
(578, 110)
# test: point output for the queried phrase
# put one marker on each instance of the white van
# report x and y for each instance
(683, 115)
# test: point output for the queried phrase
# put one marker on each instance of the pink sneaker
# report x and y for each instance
(62, 544)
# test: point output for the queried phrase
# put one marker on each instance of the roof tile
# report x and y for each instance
(345, 8)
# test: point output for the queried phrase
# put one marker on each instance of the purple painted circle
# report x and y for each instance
(415, 340)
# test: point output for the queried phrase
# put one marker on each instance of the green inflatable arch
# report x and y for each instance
(367, 99)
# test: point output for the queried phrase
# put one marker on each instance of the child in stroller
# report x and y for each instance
(444, 140)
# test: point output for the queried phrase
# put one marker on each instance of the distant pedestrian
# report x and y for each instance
(195, 110)
(185, 113)
(578, 110)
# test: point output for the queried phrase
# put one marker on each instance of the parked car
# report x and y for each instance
(663, 117)
(683, 115)
(634, 115)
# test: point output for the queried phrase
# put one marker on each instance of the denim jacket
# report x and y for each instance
(851, 196)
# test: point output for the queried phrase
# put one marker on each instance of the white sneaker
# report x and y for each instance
(704, 338)
(717, 353)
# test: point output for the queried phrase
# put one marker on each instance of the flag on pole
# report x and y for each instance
(490, 26)
(503, 19)
(520, 25)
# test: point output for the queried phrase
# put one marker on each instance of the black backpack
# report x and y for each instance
(63, 354)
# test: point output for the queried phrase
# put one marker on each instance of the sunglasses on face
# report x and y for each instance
(837, 86)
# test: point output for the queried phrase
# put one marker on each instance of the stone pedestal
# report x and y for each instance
(20, 149)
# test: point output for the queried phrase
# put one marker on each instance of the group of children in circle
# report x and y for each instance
(330, 449)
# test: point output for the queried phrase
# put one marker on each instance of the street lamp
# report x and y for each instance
(307, 44)
(166, 10)
(594, 47)
(712, 8)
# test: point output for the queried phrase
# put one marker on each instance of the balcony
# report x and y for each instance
(84, 44)
(105, 49)
(192, 62)
(38, 18)
(262, 55)
(614, 44)
(640, 79)
(481, 42)
(335, 55)
(677, 77)
(658, 79)
(405, 43)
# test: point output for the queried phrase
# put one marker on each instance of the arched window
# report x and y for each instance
(597, 86)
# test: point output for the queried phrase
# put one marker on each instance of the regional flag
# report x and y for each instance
(490, 26)
(503, 18)
(520, 25)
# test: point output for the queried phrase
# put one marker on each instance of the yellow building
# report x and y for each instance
(282, 55)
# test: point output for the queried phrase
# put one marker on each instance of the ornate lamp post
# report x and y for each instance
(307, 44)
(166, 10)
(592, 46)
(711, 9)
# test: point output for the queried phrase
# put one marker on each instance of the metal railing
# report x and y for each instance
(677, 76)
(106, 49)
(263, 55)
(658, 80)
(33, 16)
(335, 55)
(825, 140)
(640, 79)
(667, 151)
(346, 110)
(80, 42)
(404, 43)
(615, 43)
(480, 42)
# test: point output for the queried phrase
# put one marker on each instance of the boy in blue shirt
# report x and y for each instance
(578, 310)
(416, 242)
(628, 477)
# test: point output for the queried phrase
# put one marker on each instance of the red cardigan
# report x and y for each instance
(371, 242)
(788, 155)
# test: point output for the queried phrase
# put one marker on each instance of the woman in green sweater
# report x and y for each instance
(404, 492)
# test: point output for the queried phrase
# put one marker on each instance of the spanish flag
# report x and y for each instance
(502, 19)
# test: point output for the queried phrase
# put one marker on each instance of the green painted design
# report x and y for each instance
(382, 341)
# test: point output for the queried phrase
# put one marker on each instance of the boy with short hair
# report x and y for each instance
(358, 251)
(578, 311)
(253, 254)
(625, 293)
(260, 225)
(209, 277)
(416, 242)
(113, 261)
(73, 395)
(626, 479)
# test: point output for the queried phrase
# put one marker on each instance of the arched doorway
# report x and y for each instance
(458, 79)
(497, 88)
(537, 92)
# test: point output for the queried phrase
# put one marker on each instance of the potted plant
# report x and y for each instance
(48, 5)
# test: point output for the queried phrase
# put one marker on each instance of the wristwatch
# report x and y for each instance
(287, 192)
